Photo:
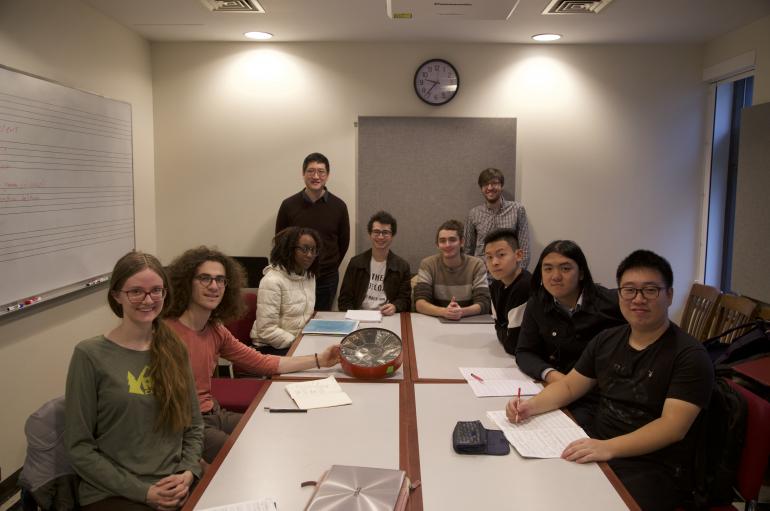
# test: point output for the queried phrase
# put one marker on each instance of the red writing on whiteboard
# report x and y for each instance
(29, 184)
(7, 129)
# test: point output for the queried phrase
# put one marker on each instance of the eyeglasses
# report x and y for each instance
(307, 250)
(316, 172)
(493, 184)
(137, 295)
(384, 234)
(205, 279)
(649, 292)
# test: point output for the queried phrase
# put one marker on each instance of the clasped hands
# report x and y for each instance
(453, 311)
(170, 492)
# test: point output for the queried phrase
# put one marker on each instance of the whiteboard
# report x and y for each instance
(66, 189)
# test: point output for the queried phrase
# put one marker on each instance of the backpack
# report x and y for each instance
(719, 446)
(749, 345)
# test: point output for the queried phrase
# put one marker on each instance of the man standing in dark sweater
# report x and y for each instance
(317, 208)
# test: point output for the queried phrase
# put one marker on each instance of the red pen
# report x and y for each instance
(518, 400)
(480, 379)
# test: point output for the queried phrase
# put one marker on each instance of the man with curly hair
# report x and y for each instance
(206, 290)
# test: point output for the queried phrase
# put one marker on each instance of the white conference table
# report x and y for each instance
(403, 422)
(309, 344)
(451, 481)
(440, 349)
(275, 452)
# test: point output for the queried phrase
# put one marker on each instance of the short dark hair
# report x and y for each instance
(284, 243)
(489, 174)
(508, 235)
(316, 158)
(570, 249)
(451, 225)
(382, 217)
(182, 271)
(646, 259)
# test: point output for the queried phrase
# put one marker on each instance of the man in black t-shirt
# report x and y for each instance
(652, 378)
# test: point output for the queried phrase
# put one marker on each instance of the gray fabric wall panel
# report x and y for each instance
(751, 246)
(423, 170)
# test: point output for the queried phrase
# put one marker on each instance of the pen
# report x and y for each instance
(479, 378)
(285, 410)
(518, 400)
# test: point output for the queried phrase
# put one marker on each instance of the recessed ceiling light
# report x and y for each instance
(259, 36)
(546, 37)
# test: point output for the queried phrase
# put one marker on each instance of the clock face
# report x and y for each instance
(436, 82)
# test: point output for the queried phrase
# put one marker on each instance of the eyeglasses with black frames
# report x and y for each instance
(649, 292)
(205, 279)
(307, 250)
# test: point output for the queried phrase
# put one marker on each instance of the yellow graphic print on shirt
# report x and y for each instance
(141, 384)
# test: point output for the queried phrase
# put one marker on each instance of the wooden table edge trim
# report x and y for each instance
(408, 338)
(625, 496)
(214, 466)
(409, 451)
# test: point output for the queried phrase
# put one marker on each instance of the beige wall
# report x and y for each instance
(68, 42)
(754, 37)
(608, 148)
(608, 151)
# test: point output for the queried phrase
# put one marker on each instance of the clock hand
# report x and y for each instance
(431, 87)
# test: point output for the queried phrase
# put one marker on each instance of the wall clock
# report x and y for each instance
(436, 82)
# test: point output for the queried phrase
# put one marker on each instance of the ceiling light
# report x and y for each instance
(546, 37)
(259, 36)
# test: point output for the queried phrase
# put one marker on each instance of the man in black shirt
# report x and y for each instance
(510, 287)
(653, 379)
(316, 207)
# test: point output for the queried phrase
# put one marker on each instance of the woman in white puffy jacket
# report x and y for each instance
(286, 296)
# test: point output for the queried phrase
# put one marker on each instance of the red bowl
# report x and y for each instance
(371, 353)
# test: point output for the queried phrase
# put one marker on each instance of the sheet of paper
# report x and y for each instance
(364, 316)
(499, 381)
(266, 504)
(543, 436)
(318, 394)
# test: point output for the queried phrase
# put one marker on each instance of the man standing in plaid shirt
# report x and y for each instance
(496, 213)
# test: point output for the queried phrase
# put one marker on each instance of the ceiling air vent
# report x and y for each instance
(576, 6)
(240, 6)
(462, 9)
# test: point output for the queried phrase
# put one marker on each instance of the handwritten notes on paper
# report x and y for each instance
(318, 394)
(542, 436)
(499, 381)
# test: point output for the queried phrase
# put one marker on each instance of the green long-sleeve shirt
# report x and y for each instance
(109, 424)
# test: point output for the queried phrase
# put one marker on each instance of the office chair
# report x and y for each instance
(756, 449)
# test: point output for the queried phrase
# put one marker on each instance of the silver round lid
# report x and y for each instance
(370, 347)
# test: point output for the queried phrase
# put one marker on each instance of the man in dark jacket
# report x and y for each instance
(377, 279)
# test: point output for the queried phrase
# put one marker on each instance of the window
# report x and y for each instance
(731, 98)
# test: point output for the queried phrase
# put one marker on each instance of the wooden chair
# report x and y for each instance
(698, 311)
(764, 312)
(730, 312)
